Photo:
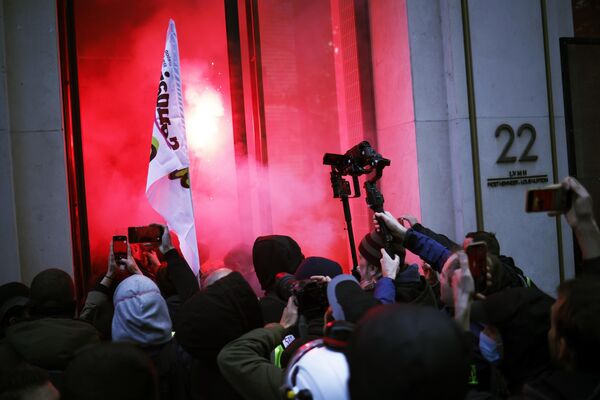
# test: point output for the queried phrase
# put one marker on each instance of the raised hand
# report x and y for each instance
(396, 228)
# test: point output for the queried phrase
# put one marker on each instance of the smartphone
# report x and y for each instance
(120, 247)
(477, 254)
(551, 198)
(145, 234)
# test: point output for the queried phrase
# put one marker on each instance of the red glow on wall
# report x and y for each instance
(120, 46)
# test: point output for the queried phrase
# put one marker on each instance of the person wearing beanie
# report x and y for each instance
(52, 294)
(408, 285)
(50, 336)
(318, 266)
(141, 317)
(271, 255)
(310, 321)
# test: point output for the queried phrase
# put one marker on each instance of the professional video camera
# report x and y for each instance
(311, 296)
(359, 160)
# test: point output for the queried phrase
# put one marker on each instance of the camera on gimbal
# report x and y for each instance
(311, 296)
(359, 160)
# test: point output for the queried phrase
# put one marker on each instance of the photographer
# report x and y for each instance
(309, 289)
(272, 255)
(405, 283)
(246, 363)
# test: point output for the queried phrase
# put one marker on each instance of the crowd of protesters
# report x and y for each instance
(150, 330)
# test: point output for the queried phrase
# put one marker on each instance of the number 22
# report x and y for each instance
(525, 156)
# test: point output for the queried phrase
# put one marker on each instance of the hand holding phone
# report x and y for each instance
(145, 234)
(477, 254)
(119, 246)
(553, 198)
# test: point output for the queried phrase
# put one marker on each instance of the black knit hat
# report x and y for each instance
(318, 266)
(52, 293)
(370, 248)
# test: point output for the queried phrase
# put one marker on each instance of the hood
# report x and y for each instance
(50, 343)
(141, 314)
(274, 254)
(219, 314)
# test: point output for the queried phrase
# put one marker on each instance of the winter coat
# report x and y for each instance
(50, 343)
(141, 317)
(98, 310)
(564, 385)
(271, 307)
(522, 315)
(245, 364)
(208, 321)
(428, 249)
(173, 368)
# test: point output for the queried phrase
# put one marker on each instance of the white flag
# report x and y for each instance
(168, 186)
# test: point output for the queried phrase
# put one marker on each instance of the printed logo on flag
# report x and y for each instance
(183, 175)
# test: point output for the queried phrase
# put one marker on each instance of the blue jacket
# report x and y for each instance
(432, 252)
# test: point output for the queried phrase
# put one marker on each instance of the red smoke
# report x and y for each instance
(120, 46)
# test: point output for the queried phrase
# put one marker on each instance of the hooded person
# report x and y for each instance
(407, 351)
(142, 317)
(272, 255)
(220, 313)
(50, 336)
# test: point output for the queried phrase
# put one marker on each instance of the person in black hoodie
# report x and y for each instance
(272, 255)
(208, 321)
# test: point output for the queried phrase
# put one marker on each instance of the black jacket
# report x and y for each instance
(564, 385)
(207, 322)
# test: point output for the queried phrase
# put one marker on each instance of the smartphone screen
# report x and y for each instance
(477, 253)
(120, 247)
(144, 234)
(551, 198)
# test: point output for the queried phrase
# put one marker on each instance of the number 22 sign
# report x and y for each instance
(505, 158)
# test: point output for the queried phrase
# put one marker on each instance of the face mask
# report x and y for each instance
(490, 349)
